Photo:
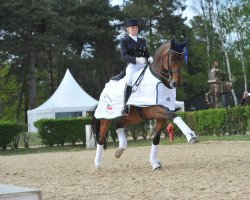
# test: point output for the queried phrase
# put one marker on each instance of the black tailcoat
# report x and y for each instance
(130, 49)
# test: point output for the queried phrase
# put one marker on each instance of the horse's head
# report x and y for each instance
(168, 62)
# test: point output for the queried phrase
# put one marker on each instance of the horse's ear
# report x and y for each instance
(185, 43)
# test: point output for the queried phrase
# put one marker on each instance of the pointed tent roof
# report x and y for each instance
(69, 96)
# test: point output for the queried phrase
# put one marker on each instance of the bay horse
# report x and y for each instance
(167, 65)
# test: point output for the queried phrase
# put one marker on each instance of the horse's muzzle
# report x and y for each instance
(174, 84)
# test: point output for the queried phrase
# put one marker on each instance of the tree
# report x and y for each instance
(43, 38)
(221, 21)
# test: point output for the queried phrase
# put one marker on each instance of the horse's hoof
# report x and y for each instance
(194, 140)
(98, 167)
(156, 166)
(118, 152)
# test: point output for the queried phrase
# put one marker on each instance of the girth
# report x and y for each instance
(140, 113)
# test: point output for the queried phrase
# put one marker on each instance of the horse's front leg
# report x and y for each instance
(101, 137)
(163, 113)
(155, 163)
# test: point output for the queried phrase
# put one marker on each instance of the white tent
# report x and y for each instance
(68, 100)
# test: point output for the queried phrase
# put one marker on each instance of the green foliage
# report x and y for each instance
(112, 130)
(82, 36)
(8, 132)
(141, 129)
(131, 143)
(61, 131)
(9, 88)
(76, 35)
(247, 109)
(216, 121)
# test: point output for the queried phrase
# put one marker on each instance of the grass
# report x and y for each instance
(131, 143)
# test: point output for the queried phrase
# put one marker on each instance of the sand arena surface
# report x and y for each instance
(212, 170)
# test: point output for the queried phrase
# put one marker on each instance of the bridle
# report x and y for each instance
(167, 74)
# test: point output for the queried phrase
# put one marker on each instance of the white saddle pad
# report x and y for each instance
(150, 91)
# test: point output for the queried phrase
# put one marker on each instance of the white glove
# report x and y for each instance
(140, 60)
(150, 59)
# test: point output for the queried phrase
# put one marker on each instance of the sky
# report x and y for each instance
(188, 12)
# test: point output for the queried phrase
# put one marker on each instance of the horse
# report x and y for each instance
(166, 67)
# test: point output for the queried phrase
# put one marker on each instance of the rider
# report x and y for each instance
(133, 51)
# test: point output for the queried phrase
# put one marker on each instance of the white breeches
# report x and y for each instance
(131, 69)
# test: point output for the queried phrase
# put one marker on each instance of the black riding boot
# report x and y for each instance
(127, 94)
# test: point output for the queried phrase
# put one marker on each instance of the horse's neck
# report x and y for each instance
(160, 73)
(157, 67)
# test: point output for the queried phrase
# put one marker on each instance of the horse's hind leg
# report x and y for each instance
(122, 142)
(155, 163)
(101, 137)
(121, 135)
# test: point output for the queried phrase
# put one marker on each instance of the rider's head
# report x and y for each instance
(132, 26)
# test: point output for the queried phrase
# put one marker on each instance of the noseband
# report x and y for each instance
(167, 74)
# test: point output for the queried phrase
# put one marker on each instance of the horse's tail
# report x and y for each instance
(95, 128)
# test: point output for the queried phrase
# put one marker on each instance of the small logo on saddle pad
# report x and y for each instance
(168, 99)
(107, 98)
(109, 109)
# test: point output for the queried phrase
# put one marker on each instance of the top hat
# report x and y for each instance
(132, 22)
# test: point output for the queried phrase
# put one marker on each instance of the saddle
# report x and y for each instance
(119, 76)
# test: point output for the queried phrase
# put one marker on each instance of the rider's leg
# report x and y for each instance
(129, 75)
(127, 94)
(130, 70)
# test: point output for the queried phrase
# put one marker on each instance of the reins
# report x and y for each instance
(160, 74)
(139, 79)
(166, 74)
(163, 75)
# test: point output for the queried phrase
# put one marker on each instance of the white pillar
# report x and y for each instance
(90, 140)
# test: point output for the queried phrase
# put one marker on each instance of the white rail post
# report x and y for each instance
(90, 140)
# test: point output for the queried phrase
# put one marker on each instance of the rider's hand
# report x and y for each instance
(140, 60)
(150, 59)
